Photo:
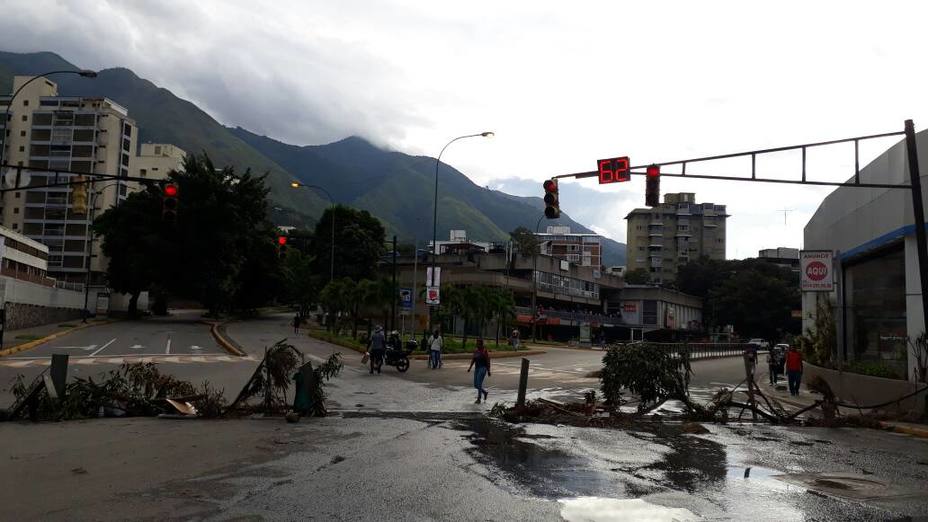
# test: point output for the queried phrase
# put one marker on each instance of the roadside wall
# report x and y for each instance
(29, 304)
(865, 390)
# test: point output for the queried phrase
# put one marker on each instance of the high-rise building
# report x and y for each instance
(64, 133)
(666, 237)
(582, 249)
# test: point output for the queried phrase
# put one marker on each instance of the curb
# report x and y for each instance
(904, 428)
(227, 345)
(36, 342)
(493, 355)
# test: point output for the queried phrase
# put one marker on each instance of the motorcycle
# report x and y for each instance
(397, 354)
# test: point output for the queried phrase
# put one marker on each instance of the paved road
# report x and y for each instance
(180, 344)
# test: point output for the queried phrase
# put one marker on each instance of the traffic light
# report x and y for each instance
(652, 196)
(79, 195)
(281, 245)
(169, 195)
(552, 205)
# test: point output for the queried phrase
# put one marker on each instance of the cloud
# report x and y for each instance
(560, 87)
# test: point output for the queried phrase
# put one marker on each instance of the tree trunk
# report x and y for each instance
(134, 305)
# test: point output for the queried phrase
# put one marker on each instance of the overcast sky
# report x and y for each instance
(562, 84)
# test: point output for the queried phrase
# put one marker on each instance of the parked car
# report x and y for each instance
(760, 343)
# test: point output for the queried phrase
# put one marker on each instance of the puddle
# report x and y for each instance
(596, 509)
(534, 461)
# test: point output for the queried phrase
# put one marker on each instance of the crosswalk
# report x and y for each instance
(27, 362)
(536, 371)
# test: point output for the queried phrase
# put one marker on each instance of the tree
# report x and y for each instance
(133, 234)
(301, 283)
(220, 252)
(359, 242)
(757, 299)
(338, 298)
(638, 276)
(525, 241)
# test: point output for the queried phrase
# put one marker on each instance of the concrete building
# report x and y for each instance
(781, 256)
(23, 258)
(459, 244)
(663, 238)
(79, 134)
(645, 309)
(156, 160)
(582, 249)
(876, 304)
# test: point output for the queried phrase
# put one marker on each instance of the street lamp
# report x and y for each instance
(297, 185)
(85, 73)
(485, 134)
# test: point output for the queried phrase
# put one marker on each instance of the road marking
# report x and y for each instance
(103, 347)
(195, 347)
(85, 348)
(167, 349)
(136, 347)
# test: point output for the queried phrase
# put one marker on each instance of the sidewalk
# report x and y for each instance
(15, 341)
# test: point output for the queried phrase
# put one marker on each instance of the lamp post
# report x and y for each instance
(485, 134)
(296, 185)
(535, 282)
(6, 117)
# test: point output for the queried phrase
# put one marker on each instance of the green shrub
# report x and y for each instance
(873, 369)
(646, 370)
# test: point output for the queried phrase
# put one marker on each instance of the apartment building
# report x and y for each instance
(582, 249)
(71, 133)
(666, 237)
(156, 160)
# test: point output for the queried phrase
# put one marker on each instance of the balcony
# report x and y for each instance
(655, 245)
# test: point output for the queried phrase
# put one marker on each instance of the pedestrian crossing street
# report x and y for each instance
(27, 362)
(561, 375)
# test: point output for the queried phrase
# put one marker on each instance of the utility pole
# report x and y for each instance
(396, 291)
(918, 212)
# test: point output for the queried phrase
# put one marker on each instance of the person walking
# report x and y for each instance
(376, 348)
(514, 339)
(773, 365)
(793, 369)
(435, 346)
(297, 319)
(480, 360)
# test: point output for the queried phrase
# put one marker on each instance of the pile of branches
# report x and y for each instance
(276, 373)
(136, 389)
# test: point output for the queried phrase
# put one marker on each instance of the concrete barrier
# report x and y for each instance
(854, 388)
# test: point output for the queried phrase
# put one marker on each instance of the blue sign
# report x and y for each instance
(406, 298)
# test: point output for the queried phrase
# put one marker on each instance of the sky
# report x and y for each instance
(561, 84)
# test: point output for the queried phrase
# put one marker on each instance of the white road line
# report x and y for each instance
(167, 349)
(103, 347)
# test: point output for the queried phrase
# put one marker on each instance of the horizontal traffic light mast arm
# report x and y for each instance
(754, 153)
(92, 177)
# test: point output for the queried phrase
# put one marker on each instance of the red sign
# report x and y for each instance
(630, 307)
(614, 170)
(816, 270)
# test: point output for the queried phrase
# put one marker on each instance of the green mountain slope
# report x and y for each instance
(399, 189)
(163, 117)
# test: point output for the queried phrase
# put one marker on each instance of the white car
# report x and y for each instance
(761, 344)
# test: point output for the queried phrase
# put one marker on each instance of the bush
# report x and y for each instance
(873, 369)
(647, 370)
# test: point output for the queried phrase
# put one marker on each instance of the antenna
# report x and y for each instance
(785, 211)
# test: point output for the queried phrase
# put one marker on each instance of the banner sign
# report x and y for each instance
(432, 296)
(428, 276)
(816, 270)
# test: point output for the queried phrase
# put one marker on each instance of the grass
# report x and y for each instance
(28, 337)
(452, 344)
(66, 325)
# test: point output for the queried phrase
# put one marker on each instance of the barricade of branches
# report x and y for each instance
(136, 389)
(653, 374)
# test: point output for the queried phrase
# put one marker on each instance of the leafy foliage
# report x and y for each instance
(359, 238)
(524, 241)
(820, 341)
(654, 375)
(638, 276)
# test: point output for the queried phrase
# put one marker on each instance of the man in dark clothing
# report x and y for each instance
(377, 347)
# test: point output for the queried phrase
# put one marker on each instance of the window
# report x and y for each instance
(22, 133)
(38, 150)
(142, 172)
(125, 159)
(73, 262)
(22, 148)
(157, 150)
(126, 144)
(15, 226)
(85, 120)
(25, 118)
(18, 194)
(82, 151)
(16, 210)
(41, 134)
(128, 130)
(83, 135)
(42, 118)
(25, 103)
(35, 213)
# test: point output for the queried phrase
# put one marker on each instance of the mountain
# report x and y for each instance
(398, 188)
(162, 117)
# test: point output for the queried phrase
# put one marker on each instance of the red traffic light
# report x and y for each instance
(550, 185)
(653, 171)
(170, 190)
(281, 240)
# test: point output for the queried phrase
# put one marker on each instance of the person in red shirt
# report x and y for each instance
(793, 369)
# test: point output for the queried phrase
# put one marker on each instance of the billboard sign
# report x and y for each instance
(816, 270)
(406, 298)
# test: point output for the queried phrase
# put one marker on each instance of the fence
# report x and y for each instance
(698, 351)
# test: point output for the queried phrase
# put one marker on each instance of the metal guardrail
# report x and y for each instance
(699, 351)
